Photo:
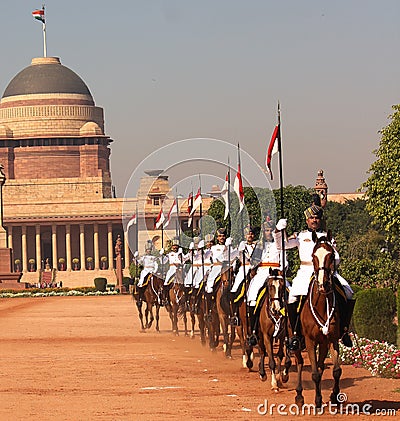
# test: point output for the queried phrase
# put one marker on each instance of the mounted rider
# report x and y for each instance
(265, 257)
(247, 250)
(149, 263)
(299, 289)
(175, 272)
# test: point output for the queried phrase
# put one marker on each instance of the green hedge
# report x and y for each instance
(374, 314)
(398, 318)
(100, 284)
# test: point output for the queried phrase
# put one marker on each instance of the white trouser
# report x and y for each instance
(190, 276)
(143, 275)
(240, 277)
(171, 272)
(256, 284)
(212, 276)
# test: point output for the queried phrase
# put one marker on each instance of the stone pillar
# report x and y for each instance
(38, 247)
(3, 233)
(110, 247)
(54, 256)
(126, 247)
(24, 250)
(68, 246)
(96, 246)
(82, 246)
(10, 237)
(118, 263)
(321, 188)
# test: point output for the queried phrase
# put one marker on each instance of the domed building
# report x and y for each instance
(58, 207)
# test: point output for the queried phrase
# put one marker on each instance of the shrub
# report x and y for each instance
(374, 313)
(126, 282)
(100, 284)
(398, 318)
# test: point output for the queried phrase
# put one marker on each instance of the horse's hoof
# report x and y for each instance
(249, 364)
(285, 378)
(334, 399)
(299, 401)
(263, 377)
(275, 389)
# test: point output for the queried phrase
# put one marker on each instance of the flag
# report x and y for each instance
(196, 203)
(273, 148)
(39, 15)
(160, 219)
(189, 208)
(238, 187)
(172, 211)
(225, 195)
(132, 221)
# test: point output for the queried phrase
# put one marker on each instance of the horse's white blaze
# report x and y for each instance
(275, 303)
(320, 254)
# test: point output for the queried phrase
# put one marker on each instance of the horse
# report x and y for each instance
(224, 308)
(320, 320)
(272, 326)
(177, 303)
(152, 297)
(208, 317)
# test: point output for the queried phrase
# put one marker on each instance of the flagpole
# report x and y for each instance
(282, 214)
(201, 208)
(177, 225)
(137, 229)
(44, 35)
(241, 213)
(191, 205)
(229, 195)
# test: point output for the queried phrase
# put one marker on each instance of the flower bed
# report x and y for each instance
(380, 358)
(51, 292)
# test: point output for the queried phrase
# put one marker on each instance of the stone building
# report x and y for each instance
(58, 204)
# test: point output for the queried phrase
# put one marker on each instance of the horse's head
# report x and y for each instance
(275, 286)
(323, 257)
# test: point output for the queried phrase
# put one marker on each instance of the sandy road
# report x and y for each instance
(84, 358)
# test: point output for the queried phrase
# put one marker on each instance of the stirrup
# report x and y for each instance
(294, 344)
(252, 340)
(346, 340)
(235, 321)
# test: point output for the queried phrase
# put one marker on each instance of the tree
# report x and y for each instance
(383, 184)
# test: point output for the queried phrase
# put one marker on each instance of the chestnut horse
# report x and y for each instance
(320, 319)
(177, 306)
(152, 297)
(272, 327)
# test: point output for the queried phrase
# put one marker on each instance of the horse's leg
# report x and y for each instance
(202, 327)
(175, 311)
(151, 319)
(271, 362)
(315, 370)
(158, 317)
(183, 304)
(139, 307)
(299, 400)
(193, 322)
(261, 363)
(280, 356)
(337, 371)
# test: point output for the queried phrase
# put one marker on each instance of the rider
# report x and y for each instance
(149, 263)
(305, 245)
(265, 257)
(175, 259)
(247, 248)
(194, 260)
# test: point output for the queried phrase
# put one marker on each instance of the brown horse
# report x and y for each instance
(320, 320)
(224, 310)
(272, 327)
(152, 297)
(177, 303)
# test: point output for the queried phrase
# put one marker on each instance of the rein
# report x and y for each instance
(276, 320)
(324, 326)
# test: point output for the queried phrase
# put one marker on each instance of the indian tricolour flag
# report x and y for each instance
(38, 14)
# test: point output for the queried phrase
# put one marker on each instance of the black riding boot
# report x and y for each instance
(186, 293)
(209, 303)
(346, 312)
(235, 319)
(296, 342)
(252, 339)
(141, 293)
(165, 295)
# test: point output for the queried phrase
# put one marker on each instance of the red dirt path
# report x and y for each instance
(84, 358)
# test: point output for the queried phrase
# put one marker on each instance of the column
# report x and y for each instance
(110, 247)
(126, 251)
(68, 246)
(96, 246)
(38, 247)
(54, 256)
(10, 238)
(24, 250)
(82, 245)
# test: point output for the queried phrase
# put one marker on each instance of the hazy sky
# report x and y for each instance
(168, 70)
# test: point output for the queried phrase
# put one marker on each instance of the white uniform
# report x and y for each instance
(175, 261)
(303, 241)
(270, 258)
(219, 254)
(199, 276)
(248, 253)
(195, 265)
(149, 263)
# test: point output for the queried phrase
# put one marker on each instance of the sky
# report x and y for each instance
(169, 70)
